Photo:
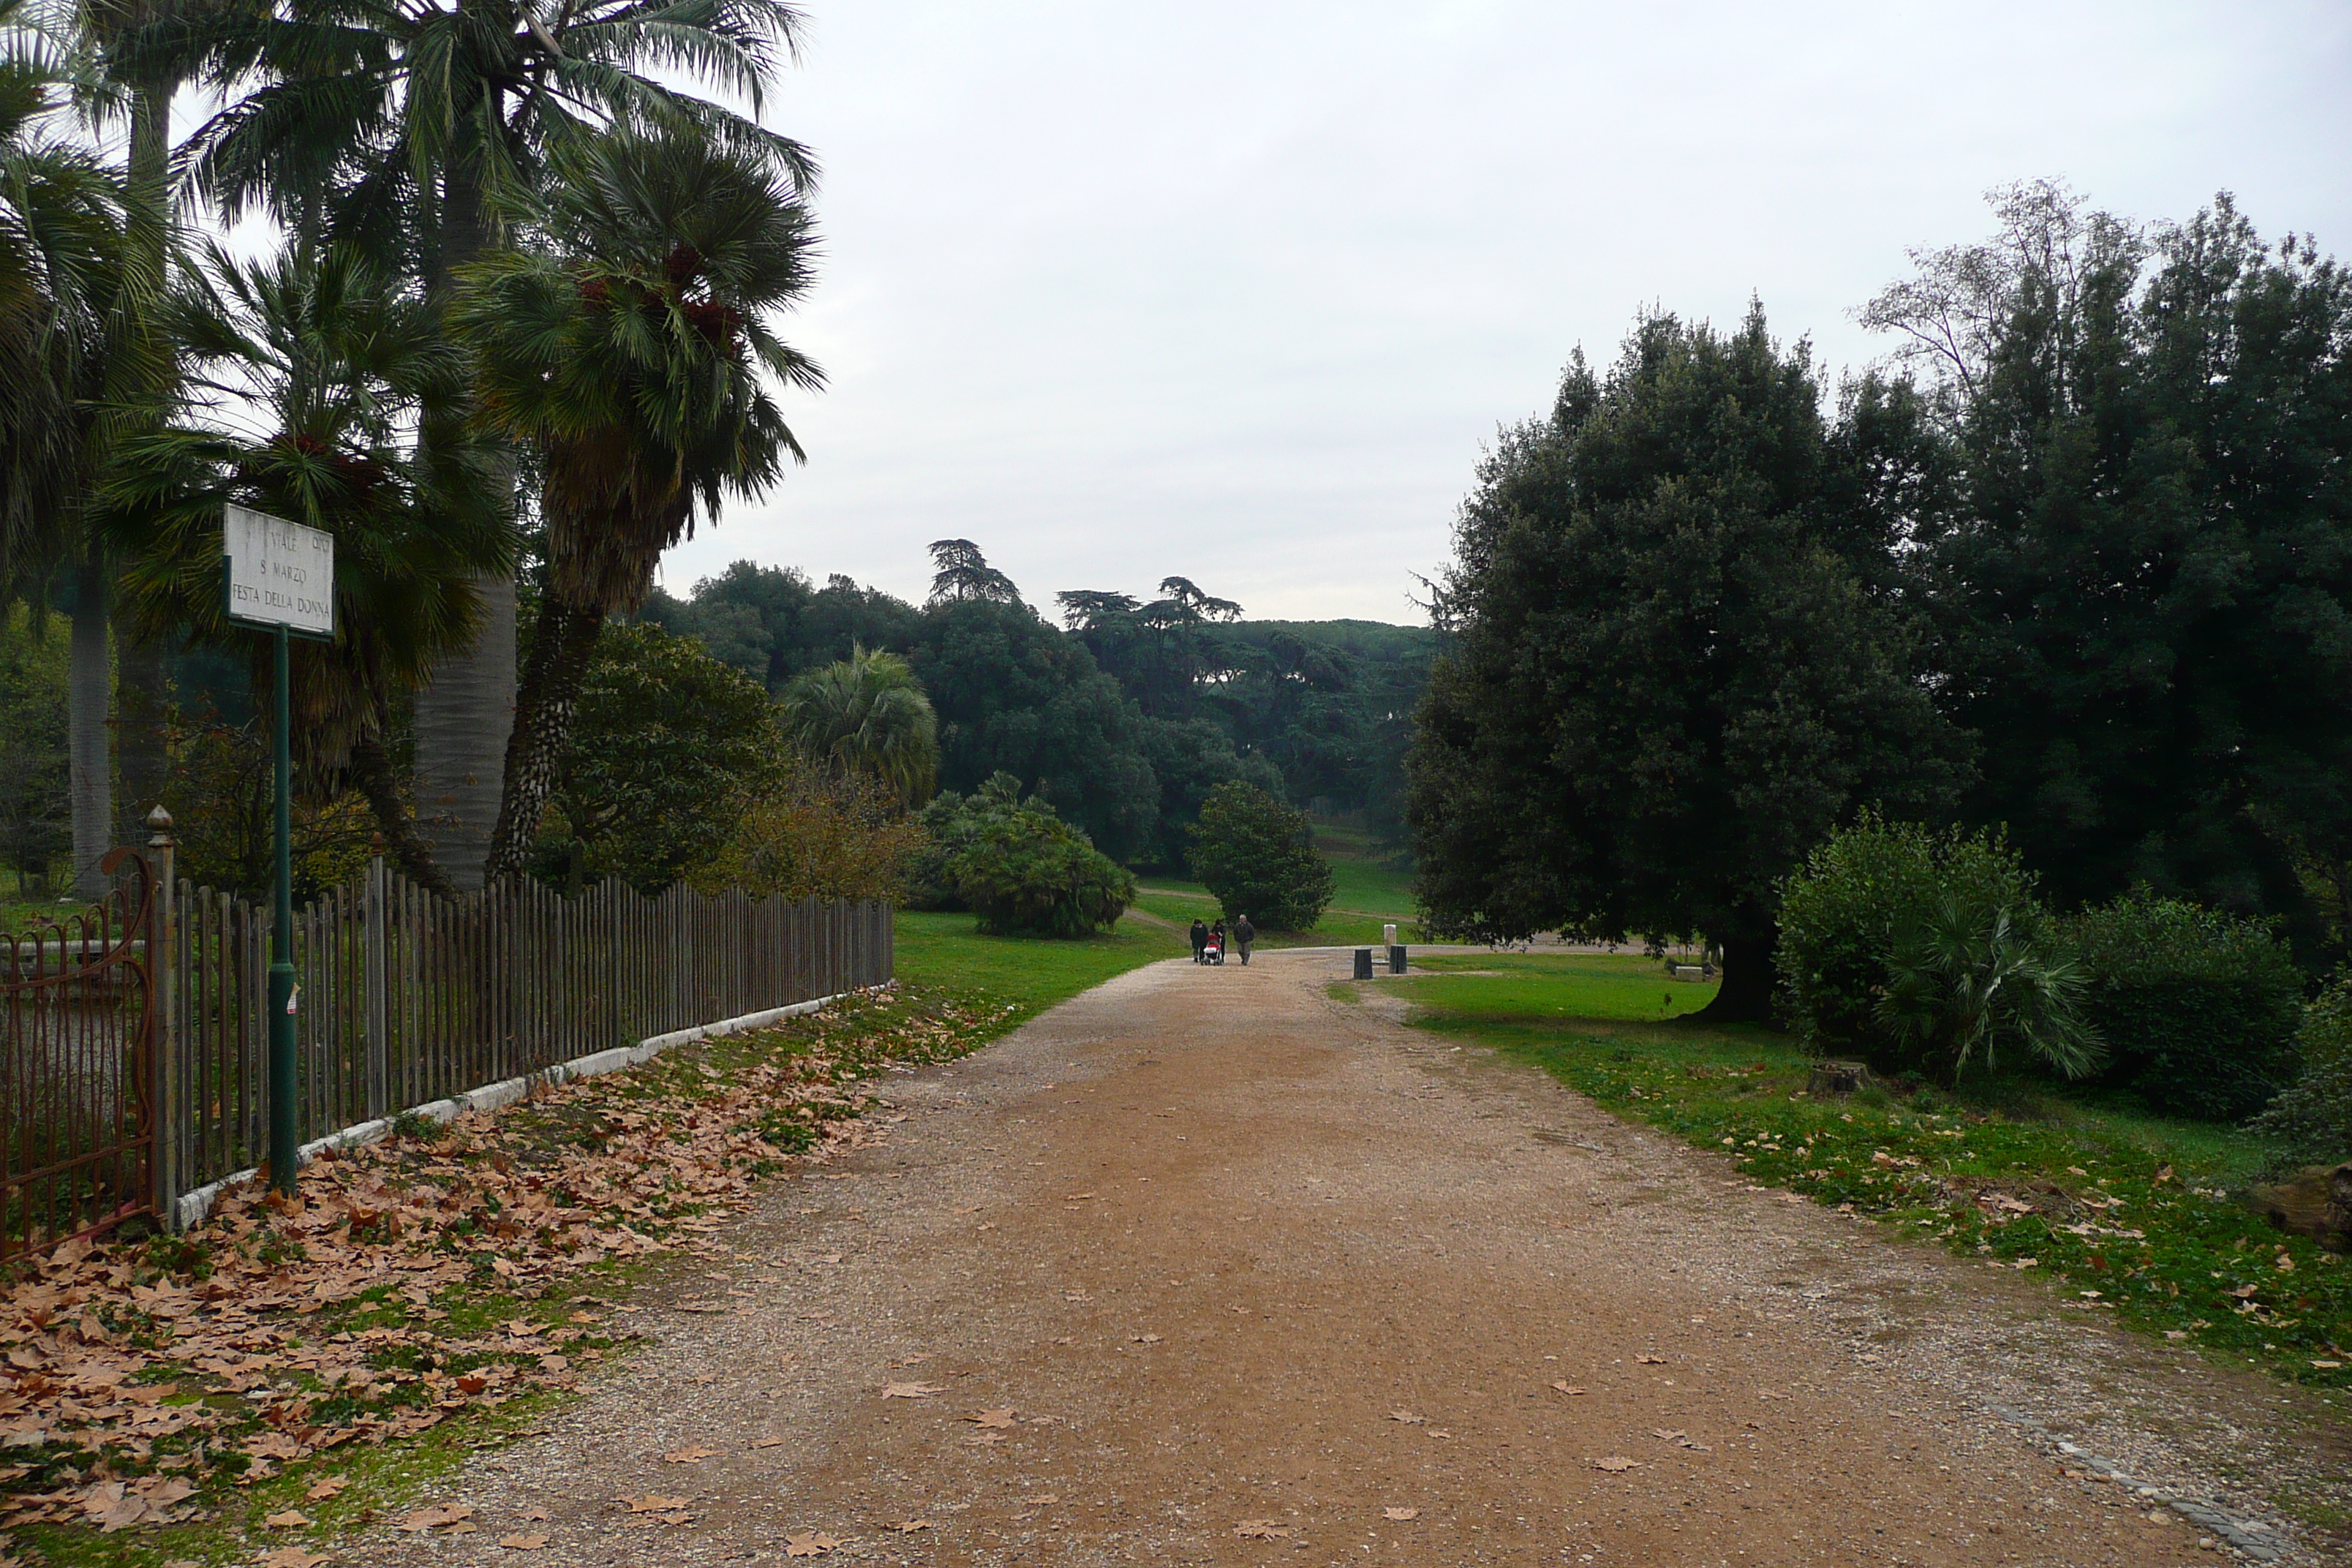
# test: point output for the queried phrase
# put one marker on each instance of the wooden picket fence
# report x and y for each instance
(404, 998)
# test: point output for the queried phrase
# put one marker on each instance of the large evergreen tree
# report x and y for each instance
(1677, 654)
(2144, 590)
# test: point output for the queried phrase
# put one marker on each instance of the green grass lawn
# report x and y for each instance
(2122, 1213)
(1366, 883)
(1030, 973)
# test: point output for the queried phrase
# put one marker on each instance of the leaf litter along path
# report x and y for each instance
(1204, 1266)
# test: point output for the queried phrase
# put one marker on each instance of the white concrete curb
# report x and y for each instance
(196, 1205)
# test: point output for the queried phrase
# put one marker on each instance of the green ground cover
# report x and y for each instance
(2121, 1212)
(1030, 973)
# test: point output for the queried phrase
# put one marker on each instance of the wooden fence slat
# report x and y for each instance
(409, 997)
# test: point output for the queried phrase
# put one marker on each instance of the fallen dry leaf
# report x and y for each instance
(654, 1503)
(1614, 1463)
(1261, 1530)
(1400, 1513)
(1565, 1387)
(688, 1456)
(290, 1519)
(536, 1515)
(1651, 1359)
(522, 1542)
(291, 1557)
(324, 1488)
(808, 1543)
(912, 1390)
(769, 1442)
(1408, 1417)
(1147, 1339)
(441, 1516)
(992, 1417)
(1440, 1432)
(911, 1526)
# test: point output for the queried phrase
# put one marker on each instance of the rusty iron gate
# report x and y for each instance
(78, 1053)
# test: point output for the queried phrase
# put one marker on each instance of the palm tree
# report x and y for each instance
(1963, 979)
(868, 714)
(417, 128)
(628, 350)
(74, 335)
(336, 399)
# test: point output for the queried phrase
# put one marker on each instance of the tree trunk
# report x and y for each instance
(1746, 994)
(464, 716)
(90, 690)
(560, 646)
(142, 696)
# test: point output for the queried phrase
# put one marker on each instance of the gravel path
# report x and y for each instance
(1204, 1266)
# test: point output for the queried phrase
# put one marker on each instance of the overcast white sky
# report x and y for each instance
(1237, 291)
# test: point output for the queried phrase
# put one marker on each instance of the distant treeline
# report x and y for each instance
(1125, 716)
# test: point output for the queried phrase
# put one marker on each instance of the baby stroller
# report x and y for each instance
(1216, 951)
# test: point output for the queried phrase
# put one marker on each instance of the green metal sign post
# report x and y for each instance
(280, 576)
(284, 1141)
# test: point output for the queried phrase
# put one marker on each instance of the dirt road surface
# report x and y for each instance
(1205, 1266)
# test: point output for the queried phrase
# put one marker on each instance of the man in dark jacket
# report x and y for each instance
(1245, 934)
(1199, 938)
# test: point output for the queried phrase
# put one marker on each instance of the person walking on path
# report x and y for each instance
(1199, 938)
(1245, 934)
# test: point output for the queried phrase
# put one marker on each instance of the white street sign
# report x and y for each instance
(280, 574)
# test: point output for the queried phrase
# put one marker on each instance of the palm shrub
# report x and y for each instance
(1842, 913)
(867, 715)
(633, 350)
(1257, 856)
(1964, 980)
(2198, 1008)
(324, 389)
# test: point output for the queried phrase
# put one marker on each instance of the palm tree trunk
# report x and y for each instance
(465, 715)
(560, 646)
(142, 686)
(89, 683)
(464, 718)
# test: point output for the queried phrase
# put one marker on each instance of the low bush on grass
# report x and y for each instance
(1018, 865)
(2123, 1215)
(2198, 1008)
(2312, 1118)
(1841, 916)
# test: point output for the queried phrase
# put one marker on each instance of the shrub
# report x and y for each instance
(1841, 915)
(1019, 866)
(1963, 981)
(2198, 1008)
(1257, 856)
(2314, 1115)
(813, 833)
